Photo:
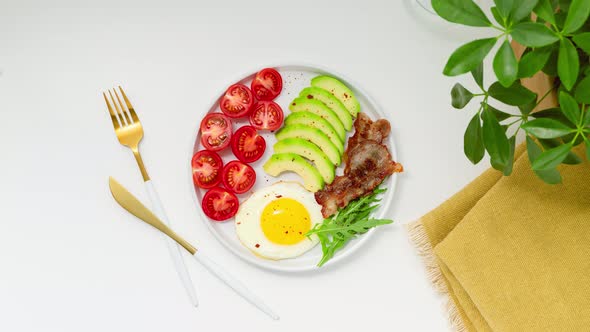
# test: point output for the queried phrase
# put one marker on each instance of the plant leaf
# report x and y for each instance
(568, 63)
(587, 143)
(468, 57)
(550, 176)
(551, 113)
(505, 65)
(550, 67)
(583, 41)
(508, 168)
(460, 96)
(546, 128)
(464, 12)
(477, 74)
(514, 95)
(533, 62)
(504, 7)
(569, 107)
(571, 159)
(533, 34)
(498, 17)
(586, 119)
(473, 141)
(501, 116)
(526, 109)
(563, 5)
(549, 159)
(495, 141)
(582, 92)
(576, 16)
(545, 11)
(522, 9)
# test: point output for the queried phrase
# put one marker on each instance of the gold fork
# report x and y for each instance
(129, 132)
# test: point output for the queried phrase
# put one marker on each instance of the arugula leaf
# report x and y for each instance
(346, 224)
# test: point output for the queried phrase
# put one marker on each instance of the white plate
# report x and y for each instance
(295, 78)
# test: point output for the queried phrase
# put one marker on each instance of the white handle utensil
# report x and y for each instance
(173, 247)
(233, 283)
(136, 208)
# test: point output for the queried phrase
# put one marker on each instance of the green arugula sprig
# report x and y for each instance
(557, 43)
(354, 219)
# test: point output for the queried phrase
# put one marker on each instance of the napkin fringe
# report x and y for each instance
(419, 238)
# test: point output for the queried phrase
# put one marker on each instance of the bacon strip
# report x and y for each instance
(367, 163)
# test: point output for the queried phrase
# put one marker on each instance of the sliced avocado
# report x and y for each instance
(316, 121)
(331, 101)
(341, 91)
(319, 108)
(309, 151)
(313, 135)
(283, 162)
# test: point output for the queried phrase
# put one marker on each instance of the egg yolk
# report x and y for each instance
(285, 221)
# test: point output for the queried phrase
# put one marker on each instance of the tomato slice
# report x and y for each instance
(238, 177)
(267, 84)
(266, 115)
(237, 101)
(247, 145)
(220, 204)
(216, 131)
(207, 167)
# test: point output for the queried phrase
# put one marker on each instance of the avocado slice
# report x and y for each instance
(309, 151)
(317, 107)
(341, 91)
(283, 162)
(331, 101)
(313, 135)
(316, 121)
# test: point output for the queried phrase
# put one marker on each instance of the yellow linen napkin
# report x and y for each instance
(513, 253)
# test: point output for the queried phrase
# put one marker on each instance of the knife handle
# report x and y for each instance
(233, 283)
(173, 247)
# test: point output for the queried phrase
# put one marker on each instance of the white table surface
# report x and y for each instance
(72, 260)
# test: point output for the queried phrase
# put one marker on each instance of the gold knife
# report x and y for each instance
(136, 208)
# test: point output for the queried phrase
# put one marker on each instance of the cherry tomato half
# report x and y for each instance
(216, 131)
(267, 84)
(219, 204)
(238, 177)
(207, 167)
(266, 115)
(237, 101)
(247, 145)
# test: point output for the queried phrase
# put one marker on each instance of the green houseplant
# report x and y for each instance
(556, 35)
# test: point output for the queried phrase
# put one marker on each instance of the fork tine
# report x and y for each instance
(114, 117)
(123, 108)
(129, 106)
(122, 114)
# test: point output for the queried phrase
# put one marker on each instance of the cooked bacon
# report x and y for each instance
(368, 163)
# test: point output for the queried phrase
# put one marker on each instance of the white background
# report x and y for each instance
(72, 260)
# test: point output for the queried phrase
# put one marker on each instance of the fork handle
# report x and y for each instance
(233, 283)
(173, 247)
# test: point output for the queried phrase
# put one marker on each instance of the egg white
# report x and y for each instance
(250, 233)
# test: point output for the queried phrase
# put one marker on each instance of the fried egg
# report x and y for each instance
(273, 221)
